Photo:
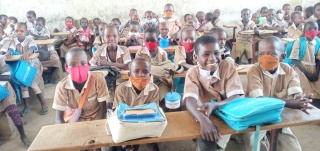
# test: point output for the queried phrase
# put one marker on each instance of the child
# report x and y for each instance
(270, 78)
(96, 23)
(170, 19)
(263, 14)
(316, 11)
(9, 106)
(211, 79)
(2, 37)
(308, 12)
(282, 23)
(244, 42)
(6, 26)
(200, 20)
(116, 23)
(13, 21)
(298, 8)
(187, 18)
(69, 90)
(83, 36)
(125, 31)
(26, 46)
(131, 13)
(99, 40)
(271, 23)
(47, 54)
(255, 17)
(31, 16)
(286, 8)
(216, 17)
(164, 30)
(150, 21)
(296, 28)
(308, 67)
(209, 23)
(133, 37)
(70, 41)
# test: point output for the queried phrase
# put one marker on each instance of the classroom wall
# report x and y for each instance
(56, 10)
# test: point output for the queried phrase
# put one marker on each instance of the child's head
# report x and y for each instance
(245, 15)
(271, 52)
(200, 16)
(101, 27)
(21, 30)
(133, 11)
(220, 35)
(187, 17)
(207, 53)
(190, 23)
(298, 8)
(187, 39)
(216, 13)
(168, 10)
(31, 16)
(111, 36)
(13, 20)
(263, 11)
(279, 15)
(96, 22)
(310, 30)
(163, 29)
(271, 15)
(116, 22)
(3, 19)
(308, 12)
(209, 17)
(297, 18)
(286, 8)
(39, 23)
(77, 65)
(134, 27)
(69, 22)
(1, 32)
(135, 17)
(84, 23)
(150, 38)
(316, 10)
(149, 18)
(255, 17)
(139, 67)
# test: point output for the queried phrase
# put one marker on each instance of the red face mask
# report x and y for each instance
(151, 45)
(188, 46)
(311, 34)
(69, 25)
(78, 74)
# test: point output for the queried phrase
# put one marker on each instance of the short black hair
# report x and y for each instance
(22, 24)
(294, 14)
(117, 20)
(264, 8)
(309, 23)
(3, 15)
(134, 23)
(138, 59)
(96, 19)
(310, 10)
(13, 18)
(185, 16)
(31, 12)
(315, 5)
(271, 9)
(151, 30)
(84, 19)
(110, 27)
(74, 50)
(198, 13)
(148, 11)
(277, 43)
(169, 4)
(209, 16)
(285, 5)
(246, 9)
(299, 8)
(42, 20)
(216, 30)
(203, 40)
(68, 18)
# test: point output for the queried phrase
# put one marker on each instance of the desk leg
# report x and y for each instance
(274, 139)
(254, 49)
(234, 34)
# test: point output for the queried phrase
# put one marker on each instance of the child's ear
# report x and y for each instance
(195, 57)
(282, 57)
(65, 66)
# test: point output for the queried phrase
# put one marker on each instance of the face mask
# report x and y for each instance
(188, 46)
(150, 21)
(79, 74)
(69, 25)
(140, 83)
(279, 16)
(151, 45)
(131, 33)
(311, 34)
(268, 62)
(168, 14)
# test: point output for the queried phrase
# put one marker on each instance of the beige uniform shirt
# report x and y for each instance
(203, 87)
(294, 32)
(241, 27)
(125, 93)
(180, 56)
(173, 24)
(161, 55)
(123, 55)
(67, 95)
(283, 83)
(266, 23)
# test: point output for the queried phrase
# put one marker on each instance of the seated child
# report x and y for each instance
(131, 13)
(69, 90)
(13, 21)
(282, 23)
(125, 31)
(83, 36)
(170, 19)
(26, 46)
(216, 17)
(2, 37)
(296, 28)
(316, 11)
(184, 54)
(209, 22)
(263, 14)
(133, 37)
(308, 12)
(96, 23)
(8, 105)
(70, 41)
(47, 54)
(211, 79)
(200, 20)
(298, 8)
(308, 68)
(244, 42)
(271, 78)
(116, 23)
(164, 33)
(99, 40)
(271, 23)
(255, 17)
(31, 16)
(6, 26)
(150, 21)
(286, 8)
(187, 18)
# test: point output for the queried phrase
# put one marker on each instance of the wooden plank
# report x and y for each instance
(65, 33)
(243, 69)
(261, 32)
(134, 49)
(17, 57)
(124, 74)
(46, 42)
(79, 135)
(230, 26)
(287, 39)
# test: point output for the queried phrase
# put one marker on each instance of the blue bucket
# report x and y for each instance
(172, 100)
(164, 42)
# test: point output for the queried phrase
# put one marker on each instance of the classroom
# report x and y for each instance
(176, 75)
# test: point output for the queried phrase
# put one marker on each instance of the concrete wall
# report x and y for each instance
(56, 10)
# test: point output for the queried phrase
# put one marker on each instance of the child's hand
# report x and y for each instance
(24, 56)
(209, 131)
(300, 102)
(209, 107)
(8, 54)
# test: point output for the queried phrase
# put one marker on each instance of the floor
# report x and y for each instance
(307, 135)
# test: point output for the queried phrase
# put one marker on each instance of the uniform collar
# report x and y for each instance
(279, 71)
(206, 73)
(119, 52)
(23, 43)
(69, 84)
(146, 90)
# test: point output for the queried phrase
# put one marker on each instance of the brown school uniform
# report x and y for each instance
(208, 26)
(266, 23)
(123, 55)
(180, 56)
(203, 87)
(67, 95)
(309, 63)
(161, 55)
(126, 93)
(244, 42)
(312, 18)
(173, 23)
(70, 38)
(99, 41)
(284, 24)
(294, 32)
(11, 99)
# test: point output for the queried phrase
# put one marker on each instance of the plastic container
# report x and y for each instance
(173, 100)
(164, 43)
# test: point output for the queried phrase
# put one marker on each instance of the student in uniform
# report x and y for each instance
(70, 90)
(211, 79)
(286, 8)
(125, 31)
(316, 11)
(150, 21)
(99, 40)
(200, 20)
(5, 24)
(70, 41)
(116, 23)
(187, 18)
(298, 8)
(282, 23)
(296, 28)
(255, 17)
(31, 16)
(271, 23)
(170, 19)
(209, 23)
(133, 37)
(216, 17)
(131, 13)
(263, 14)
(48, 56)
(271, 78)
(308, 12)
(83, 37)
(96, 22)
(26, 46)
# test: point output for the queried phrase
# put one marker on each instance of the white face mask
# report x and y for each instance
(131, 33)
(279, 16)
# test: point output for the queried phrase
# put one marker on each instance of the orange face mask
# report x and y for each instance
(168, 14)
(140, 83)
(268, 62)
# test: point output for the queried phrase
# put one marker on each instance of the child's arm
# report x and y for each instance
(118, 65)
(59, 117)
(310, 76)
(102, 110)
(299, 101)
(26, 54)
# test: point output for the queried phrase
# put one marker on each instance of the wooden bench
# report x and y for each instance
(17, 57)
(234, 26)
(92, 134)
(62, 34)
(46, 42)
(134, 49)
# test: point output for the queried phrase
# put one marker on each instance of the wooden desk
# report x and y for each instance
(234, 26)
(243, 69)
(65, 33)
(134, 49)
(46, 42)
(124, 74)
(17, 57)
(79, 136)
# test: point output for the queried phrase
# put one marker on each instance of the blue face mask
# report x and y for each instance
(149, 21)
